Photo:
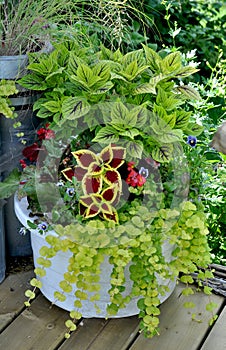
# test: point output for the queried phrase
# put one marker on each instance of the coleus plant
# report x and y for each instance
(101, 182)
(144, 87)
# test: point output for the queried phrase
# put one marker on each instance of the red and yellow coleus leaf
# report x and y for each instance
(85, 157)
(112, 177)
(111, 217)
(77, 172)
(91, 184)
(93, 205)
(112, 156)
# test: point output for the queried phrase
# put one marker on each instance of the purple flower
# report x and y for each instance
(192, 140)
(43, 226)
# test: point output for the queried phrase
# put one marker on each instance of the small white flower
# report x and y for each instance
(60, 184)
(23, 231)
(144, 172)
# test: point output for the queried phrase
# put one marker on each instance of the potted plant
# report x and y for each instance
(107, 184)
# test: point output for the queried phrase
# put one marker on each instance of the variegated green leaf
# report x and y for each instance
(169, 119)
(53, 106)
(186, 71)
(130, 133)
(171, 63)
(167, 100)
(102, 70)
(102, 88)
(75, 107)
(182, 119)
(136, 55)
(147, 88)
(189, 92)
(107, 135)
(170, 136)
(194, 129)
(153, 59)
(134, 149)
(163, 154)
(122, 118)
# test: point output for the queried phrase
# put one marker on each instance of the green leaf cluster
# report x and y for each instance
(7, 88)
(134, 97)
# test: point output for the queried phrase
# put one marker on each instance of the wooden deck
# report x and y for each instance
(41, 327)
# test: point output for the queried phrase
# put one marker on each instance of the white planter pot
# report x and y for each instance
(54, 275)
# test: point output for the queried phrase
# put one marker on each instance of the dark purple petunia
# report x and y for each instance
(192, 140)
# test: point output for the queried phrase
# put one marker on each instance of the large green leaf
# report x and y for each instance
(163, 153)
(189, 92)
(194, 129)
(186, 71)
(102, 70)
(171, 63)
(170, 136)
(10, 184)
(131, 133)
(33, 82)
(182, 119)
(101, 88)
(53, 106)
(134, 149)
(153, 59)
(136, 55)
(169, 119)
(141, 113)
(85, 76)
(121, 118)
(167, 100)
(106, 134)
(74, 107)
(147, 88)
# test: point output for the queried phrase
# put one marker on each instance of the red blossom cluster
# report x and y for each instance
(31, 152)
(134, 178)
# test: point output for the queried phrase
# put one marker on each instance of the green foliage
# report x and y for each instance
(184, 227)
(10, 184)
(140, 87)
(193, 24)
(7, 88)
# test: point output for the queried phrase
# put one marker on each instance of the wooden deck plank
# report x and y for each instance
(38, 327)
(217, 337)
(12, 296)
(116, 334)
(177, 330)
(86, 332)
(41, 327)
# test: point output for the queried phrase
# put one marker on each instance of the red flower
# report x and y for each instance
(31, 152)
(45, 133)
(134, 179)
(23, 163)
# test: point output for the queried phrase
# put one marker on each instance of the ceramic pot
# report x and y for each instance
(54, 275)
